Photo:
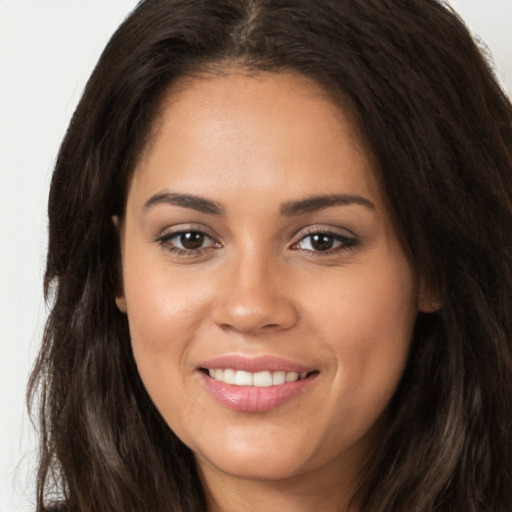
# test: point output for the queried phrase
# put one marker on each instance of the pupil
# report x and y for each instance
(192, 240)
(322, 242)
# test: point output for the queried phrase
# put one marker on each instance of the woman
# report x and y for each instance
(280, 266)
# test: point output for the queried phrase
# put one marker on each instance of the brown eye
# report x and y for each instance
(322, 242)
(325, 242)
(192, 240)
(187, 243)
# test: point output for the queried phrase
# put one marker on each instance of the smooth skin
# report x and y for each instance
(253, 271)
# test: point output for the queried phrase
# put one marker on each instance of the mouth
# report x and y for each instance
(258, 384)
(260, 379)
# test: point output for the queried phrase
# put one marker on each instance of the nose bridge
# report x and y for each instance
(253, 296)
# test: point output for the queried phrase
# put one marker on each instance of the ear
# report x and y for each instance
(121, 303)
(429, 298)
(120, 298)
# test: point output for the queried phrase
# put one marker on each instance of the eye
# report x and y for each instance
(324, 242)
(190, 241)
(187, 242)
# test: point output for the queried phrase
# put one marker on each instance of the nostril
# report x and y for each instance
(270, 326)
(250, 309)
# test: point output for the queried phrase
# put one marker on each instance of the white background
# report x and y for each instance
(47, 50)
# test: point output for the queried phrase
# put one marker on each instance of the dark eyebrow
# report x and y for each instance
(311, 204)
(186, 200)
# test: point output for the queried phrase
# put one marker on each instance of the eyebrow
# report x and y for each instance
(289, 209)
(186, 200)
(311, 204)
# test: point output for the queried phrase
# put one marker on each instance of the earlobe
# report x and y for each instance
(429, 299)
(430, 306)
(121, 303)
(120, 299)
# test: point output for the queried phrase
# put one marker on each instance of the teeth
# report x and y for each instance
(262, 379)
(259, 379)
(241, 378)
(292, 376)
(229, 376)
(278, 378)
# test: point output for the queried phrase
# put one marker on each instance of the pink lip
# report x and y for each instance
(251, 398)
(255, 364)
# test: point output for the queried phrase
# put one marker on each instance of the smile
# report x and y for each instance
(258, 384)
(262, 379)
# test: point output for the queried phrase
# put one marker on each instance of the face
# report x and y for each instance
(269, 302)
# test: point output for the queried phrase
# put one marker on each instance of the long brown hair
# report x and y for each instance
(440, 132)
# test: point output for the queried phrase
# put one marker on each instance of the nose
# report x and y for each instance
(252, 298)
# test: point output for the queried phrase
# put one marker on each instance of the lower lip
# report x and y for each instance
(252, 398)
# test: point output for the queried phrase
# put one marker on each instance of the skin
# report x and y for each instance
(257, 286)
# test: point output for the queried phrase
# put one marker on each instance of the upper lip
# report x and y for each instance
(255, 364)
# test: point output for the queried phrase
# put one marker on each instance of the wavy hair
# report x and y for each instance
(439, 129)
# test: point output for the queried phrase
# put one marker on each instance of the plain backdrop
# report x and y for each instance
(47, 51)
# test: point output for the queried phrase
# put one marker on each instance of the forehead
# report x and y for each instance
(257, 132)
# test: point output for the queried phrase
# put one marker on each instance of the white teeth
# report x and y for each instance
(292, 376)
(262, 379)
(229, 376)
(278, 378)
(259, 379)
(243, 378)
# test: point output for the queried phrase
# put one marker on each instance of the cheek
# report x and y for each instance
(380, 313)
(367, 322)
(163, 324)
(163, 315)
(383, 318)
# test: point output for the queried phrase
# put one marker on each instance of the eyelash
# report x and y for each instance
(166, 242)
(345, 242)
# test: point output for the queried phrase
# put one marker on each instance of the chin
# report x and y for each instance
(261, 466)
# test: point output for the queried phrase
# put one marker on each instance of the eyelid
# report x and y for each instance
(165, 236)
(177, 229)
(324, 228)
(347, 238)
